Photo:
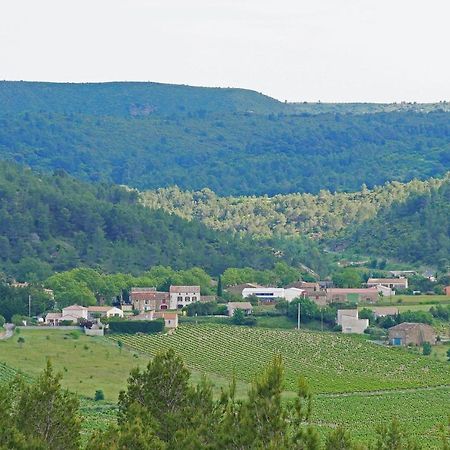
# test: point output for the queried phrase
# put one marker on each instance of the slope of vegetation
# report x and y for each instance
(129, 99)
(330, 362)
(56, 223)
(316, 216)
(416, 230)
(233, 153)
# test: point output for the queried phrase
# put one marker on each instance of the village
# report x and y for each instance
(355, 309)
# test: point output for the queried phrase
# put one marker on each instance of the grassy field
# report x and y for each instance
(87, 363)
(331, 362)
(415, 300)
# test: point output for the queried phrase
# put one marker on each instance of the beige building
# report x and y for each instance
(411, 334)
(181, 296)
(246, 307)
(350, 322)
(393, 283)
(352, 295)
(95, 312)
(170, 317)
(72, 313)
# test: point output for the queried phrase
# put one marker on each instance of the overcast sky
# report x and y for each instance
(328, 50)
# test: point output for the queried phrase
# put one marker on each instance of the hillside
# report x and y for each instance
(416, 230)
(54, 222)
(233, 153)
(317, 216)
(130, 99)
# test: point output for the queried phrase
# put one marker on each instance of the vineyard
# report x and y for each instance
(420, 412)
(6, 373)
(331, 362)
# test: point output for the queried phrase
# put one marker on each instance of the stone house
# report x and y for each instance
(411, 334)
(350, 322)
(149, 299)
(181, 296)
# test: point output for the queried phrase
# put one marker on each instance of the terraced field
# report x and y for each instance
(331, 362)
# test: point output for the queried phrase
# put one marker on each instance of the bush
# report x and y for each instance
(18, 320)
(99, 395)
(136, 326)
(2, 321)
(426, 348)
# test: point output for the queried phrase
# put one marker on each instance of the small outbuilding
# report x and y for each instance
(246, 307)
(408, 333)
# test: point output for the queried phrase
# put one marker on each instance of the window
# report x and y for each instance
(194, 299)
(188, 299)
(180, 299)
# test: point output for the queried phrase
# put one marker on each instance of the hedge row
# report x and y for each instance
(138, 326)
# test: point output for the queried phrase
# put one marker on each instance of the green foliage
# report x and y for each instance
(347, 278)
(99, 395)
(39, 415)
(238, 317)
(403, 231)
(14, 302)
(205, 309)
(427, 349)
(172, 140)
(61, 223)
(21, 341)
(136, 326)
(2, 321)
(322, 215)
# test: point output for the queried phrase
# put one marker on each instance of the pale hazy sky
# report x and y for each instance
(328, 50)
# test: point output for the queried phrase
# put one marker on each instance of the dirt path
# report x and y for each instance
(9, 331)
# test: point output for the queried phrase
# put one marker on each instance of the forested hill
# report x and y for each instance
(321, 216)
(54, 222)
(127, 99)
(417, 230)
(233, 153)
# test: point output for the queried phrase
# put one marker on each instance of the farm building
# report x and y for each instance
(392, 283)
(411, 334)
(170, 317)
(238, 288)
(244, 306)
(95, 312)
(353, 295)
(269, 294)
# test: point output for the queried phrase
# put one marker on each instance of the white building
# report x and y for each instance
(349, 321)
(268, 294)
(181, 296)
(95, 312)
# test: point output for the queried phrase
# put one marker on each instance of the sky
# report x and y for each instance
(294, 50)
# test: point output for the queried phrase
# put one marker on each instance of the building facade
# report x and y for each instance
(411, 334)
(181, 296)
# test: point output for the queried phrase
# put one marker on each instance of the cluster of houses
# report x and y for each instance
(323, 293)
(144, 304)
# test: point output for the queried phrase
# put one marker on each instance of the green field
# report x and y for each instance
(391, 382)
(416, 300)
(331, 362)
(419, 411)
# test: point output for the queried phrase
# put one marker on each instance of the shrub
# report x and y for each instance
(426, 348)
(2, 321)
(136, 326)
(99, 395)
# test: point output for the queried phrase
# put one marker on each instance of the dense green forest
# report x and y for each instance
(416, 230)
(54, 222)
(211, 145)
(317, 216)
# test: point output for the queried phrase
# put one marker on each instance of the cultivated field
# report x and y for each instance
(331, 362)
